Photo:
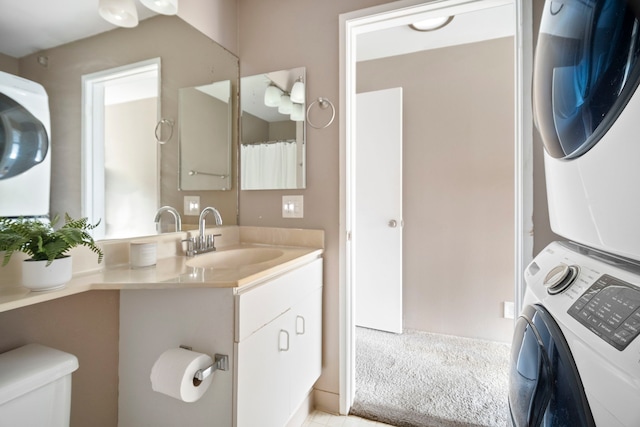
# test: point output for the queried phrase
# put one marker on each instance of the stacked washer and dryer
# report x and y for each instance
(25, 151)
(575, 355)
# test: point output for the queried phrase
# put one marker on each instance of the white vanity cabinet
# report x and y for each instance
(278, 347)
(271, 331)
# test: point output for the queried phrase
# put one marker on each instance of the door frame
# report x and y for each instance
(397, 13)
(93, 141)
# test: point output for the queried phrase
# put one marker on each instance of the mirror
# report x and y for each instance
(273, 148)
(205, 137)
(188, 58)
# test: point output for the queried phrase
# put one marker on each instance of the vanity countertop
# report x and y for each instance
(173, 272)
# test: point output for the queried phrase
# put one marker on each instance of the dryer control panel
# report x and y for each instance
(610, 308)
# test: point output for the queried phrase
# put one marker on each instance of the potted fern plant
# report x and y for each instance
(49, 265)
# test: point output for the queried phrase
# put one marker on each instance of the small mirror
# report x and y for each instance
(205, 136)
(272, 151)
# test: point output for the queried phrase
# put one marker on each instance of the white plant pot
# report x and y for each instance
(37, 276)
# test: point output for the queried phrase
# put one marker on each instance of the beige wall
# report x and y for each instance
(166, 37)
(458, 202)
(254, 129)
(8, 64)
(216, 18)
(205, 140)
(85, 325)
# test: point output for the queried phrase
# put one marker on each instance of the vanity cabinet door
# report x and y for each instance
(278, 346)
(262, 381)
(306, 347)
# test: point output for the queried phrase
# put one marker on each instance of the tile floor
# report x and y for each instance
(322, 419)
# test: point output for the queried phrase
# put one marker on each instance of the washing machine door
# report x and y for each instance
(585, 71)
(23, 139)
(544, 385)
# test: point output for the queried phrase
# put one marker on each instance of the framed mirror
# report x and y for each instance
(205, 136)
(272, 142)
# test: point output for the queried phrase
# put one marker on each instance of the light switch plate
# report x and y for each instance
(509, 310)
(191, 205)
(292, 206)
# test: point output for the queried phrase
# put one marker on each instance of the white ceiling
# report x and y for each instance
(28, 26)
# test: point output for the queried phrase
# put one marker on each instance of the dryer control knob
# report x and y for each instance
(560, 278)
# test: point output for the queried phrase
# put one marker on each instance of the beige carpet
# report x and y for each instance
(419, 379)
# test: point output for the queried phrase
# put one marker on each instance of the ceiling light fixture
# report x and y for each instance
(165, 7)
(431, 24)
(122, 13)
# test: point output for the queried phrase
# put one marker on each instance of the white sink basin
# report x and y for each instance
(234, 258)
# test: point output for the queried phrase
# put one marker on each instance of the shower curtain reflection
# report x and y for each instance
(269, 164)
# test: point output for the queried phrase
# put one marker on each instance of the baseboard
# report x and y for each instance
(326, 401)
(301, 414)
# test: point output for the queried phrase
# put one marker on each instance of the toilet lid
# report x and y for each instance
(29, 367)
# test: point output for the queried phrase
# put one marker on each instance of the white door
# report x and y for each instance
(377, 231)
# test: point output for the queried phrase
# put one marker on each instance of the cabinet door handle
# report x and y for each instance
(300, 325)
(283, 340)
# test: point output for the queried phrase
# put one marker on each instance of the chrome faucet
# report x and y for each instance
(204, 243)
(172, 211)
(203, 215)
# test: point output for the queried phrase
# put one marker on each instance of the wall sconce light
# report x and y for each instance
(122, 13)
(297, 92)
(286, 106)
(272, 96)
(164, 7)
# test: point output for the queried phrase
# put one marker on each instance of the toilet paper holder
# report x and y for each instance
(220, 363)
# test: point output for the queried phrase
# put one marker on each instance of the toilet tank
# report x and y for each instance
(35, 387)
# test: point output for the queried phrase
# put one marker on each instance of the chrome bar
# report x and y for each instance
(221, 363)
(195, 172)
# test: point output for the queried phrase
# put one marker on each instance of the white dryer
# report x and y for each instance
(576, 352)
(587, 109)
(25, 150)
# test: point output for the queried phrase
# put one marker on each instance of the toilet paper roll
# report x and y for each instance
(173, 373)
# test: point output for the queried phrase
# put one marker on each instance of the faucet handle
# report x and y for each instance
(190, 247)
(211, 241)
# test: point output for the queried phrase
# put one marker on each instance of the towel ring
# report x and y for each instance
(323, 103)
(158, 130)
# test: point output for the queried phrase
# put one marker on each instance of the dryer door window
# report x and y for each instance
(544, 385)
(23, 139)
(586, 69)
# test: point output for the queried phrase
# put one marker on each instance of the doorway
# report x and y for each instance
(372, 20)
(120, 161)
